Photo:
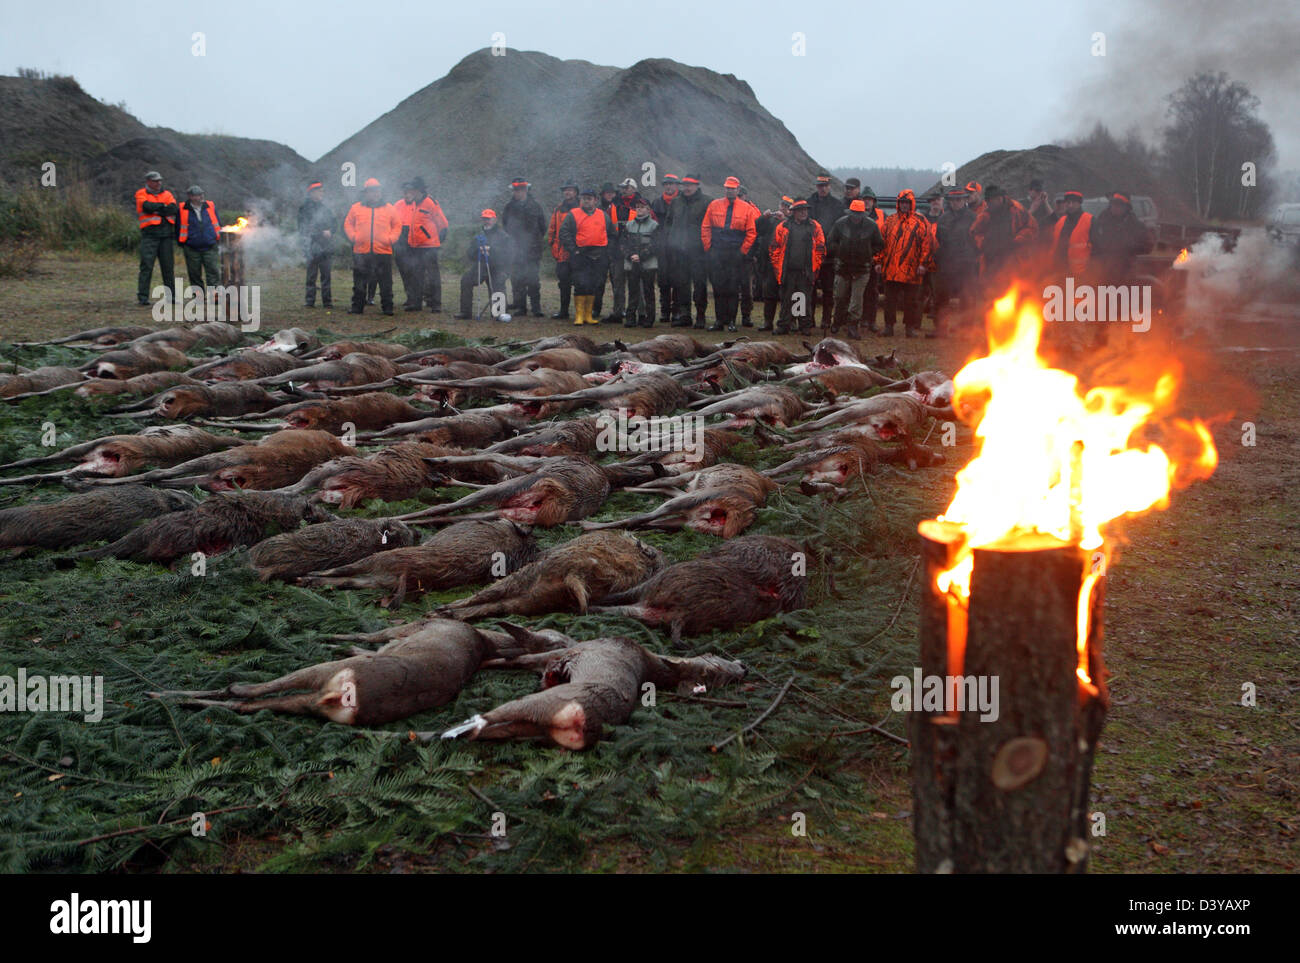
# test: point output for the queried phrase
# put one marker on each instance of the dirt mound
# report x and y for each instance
(53, 119)
(532, 115)
(1090, 168)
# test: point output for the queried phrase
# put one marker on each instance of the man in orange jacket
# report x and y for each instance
(373, 227)
(908, 254)
(797, 251)
(423, 228)
(156, 210)
(1005, 235)
(727, 233)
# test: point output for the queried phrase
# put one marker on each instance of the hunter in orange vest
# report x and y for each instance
(423, 228)
(1071, 243)
(728, 232)
(156, 210)
(198, 235)
(588, 234)
(373, 227)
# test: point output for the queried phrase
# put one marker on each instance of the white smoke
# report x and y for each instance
(1255, 271)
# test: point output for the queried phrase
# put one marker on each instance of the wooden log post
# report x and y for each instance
(1008, 794)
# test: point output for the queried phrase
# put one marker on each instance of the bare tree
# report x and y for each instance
(1214, 130)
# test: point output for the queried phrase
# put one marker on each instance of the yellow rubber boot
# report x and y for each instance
(591, 303)
(579, 309)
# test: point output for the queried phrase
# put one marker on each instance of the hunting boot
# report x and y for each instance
(535, 296)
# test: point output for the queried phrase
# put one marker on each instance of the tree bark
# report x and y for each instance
(1010, 794)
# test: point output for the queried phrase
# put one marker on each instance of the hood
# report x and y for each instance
(906, 195)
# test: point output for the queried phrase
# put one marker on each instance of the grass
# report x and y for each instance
(1200, 600)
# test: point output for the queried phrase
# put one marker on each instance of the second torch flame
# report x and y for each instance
(1055, 458)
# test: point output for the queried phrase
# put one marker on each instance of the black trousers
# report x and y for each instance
(690, 284)
(797, 291)
(871, 299)
(824, 290)
(525, 282)
(589, 272)
(726, 271)
(472, 279)
(421, 278)
(376, 269)
(318, 264)
(564, 275)
(666, 304)
(747, 278)
(641, 284)
(908, 297)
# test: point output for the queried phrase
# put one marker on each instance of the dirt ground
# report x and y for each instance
(1201, 605)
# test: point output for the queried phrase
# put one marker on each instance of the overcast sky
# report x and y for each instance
(879, 84)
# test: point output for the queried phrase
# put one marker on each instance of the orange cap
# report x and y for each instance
(371, 182)
(731, 182)
(857, 205)
(488, 212)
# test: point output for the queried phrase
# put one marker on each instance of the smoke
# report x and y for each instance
(1221, 281)
(1152, 46)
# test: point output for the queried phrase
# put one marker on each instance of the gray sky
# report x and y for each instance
(879, 84)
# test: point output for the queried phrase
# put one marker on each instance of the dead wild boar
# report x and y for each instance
(589, 686)
(289, 341)
(275, 461)
(37, 381)
(223, 522)
(145, 384)
(227, 399)
(392, 475)
(116, 456)
(338, 349)
(563, 489)
(721, 500)
(100, 336)
(644, 395)
(554, 359)
(848, 454)
(769, 404)
(711, 445)
(326, 545)
(245, 366)
(469, 429)
(352, 369)
(574, 437)
(666, 348)
(423, 669)
(744, 580)
(478, 354)
(757, 354)
(88, 517)
(210, 334)
(467, 553)
(529, 390)
(567, 578)
(141, 358)
(886, 416)
(931, 388)
(367, 412)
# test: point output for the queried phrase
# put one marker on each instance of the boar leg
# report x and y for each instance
(555, 714)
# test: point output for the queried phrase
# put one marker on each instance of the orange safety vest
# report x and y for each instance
(1080, 245)
(591, 227)
(424, 221)
(185, 221)
(151, 220)
(743, 218)
(372, 230)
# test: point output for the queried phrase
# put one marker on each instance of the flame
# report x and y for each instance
(1182, 258)
(1055, 458)
(237, 228)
